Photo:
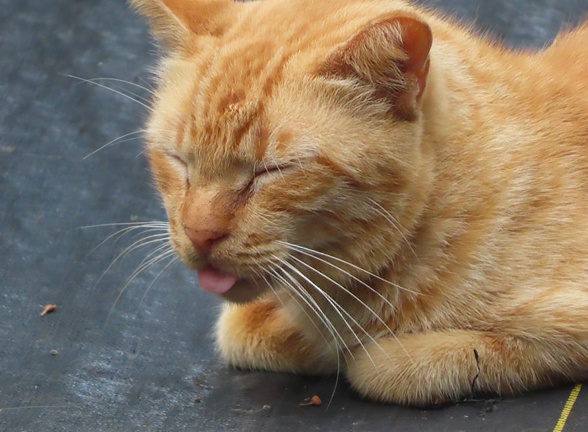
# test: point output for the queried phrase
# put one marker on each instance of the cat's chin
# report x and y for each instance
(229, 287)
(244, 290)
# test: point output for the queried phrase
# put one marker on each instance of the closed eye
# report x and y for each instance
(180, 164)
(179, 160)
(263, 173)
(271, 169)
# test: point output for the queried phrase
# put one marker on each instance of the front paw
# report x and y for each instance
(259, 335)
(418, 370)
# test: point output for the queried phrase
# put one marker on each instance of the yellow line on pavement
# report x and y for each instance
(567, 408)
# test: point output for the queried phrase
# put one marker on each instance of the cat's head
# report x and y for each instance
(283, 132)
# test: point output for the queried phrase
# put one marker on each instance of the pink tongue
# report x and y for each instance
(215, 281)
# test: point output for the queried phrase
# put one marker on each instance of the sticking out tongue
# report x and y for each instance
(215, 281)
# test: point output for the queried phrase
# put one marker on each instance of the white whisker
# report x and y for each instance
(360, 301)
(347, 291)
(135, 245)
(336, 307)
(308, 252)
(311, 303)
(143, 104)
(139, 270)
(303, 295)
(148, 90)
(118, 140)
(314, 307)
(122, 232)
(375, 276)
(155, 251)
(394, 222)
(142, 242)
(124, 90)
(172, 260)
(352, 276)
(138, 224)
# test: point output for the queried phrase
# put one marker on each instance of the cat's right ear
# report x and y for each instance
(173, 22)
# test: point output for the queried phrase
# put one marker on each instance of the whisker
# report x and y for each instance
(295, 295)
(347, 291)
(373, 290)
(118, 140)
(291, 291)
(393, 221)
(375, 276)
(136, 245)
(336, 307)
(356, 298)
(172, 260)
(321, 316)
(300, 292)
(145, 241)
(148, 257)
(260, 273)
(138, 271)
(311, 303)
(126, 91)
(124, 231)
(352, 276)
(143, 104)
(155, 251)
(148, 90)
(139, 224)
(161, 233)
(263, 274)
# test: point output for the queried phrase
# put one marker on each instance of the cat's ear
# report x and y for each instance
(392, 54)
(175, 21)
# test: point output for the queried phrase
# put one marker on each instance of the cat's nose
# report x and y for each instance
(203, 240)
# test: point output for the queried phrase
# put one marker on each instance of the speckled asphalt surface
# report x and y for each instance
(138, 361)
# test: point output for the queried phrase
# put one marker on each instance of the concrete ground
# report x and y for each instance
(144, 359)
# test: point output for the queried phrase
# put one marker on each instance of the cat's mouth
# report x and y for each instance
(228, 286)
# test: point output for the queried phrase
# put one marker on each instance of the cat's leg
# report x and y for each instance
(436, 367)
(261, 335)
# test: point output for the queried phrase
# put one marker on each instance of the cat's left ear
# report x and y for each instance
(173, 22)
(390, 53)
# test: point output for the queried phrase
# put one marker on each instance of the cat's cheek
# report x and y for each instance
(183, 253)
(314, 231)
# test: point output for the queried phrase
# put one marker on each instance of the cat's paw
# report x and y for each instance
(417, 369)
(259, 335)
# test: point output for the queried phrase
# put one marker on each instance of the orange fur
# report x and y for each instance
(388, 207)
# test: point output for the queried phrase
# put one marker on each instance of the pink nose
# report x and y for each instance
(203, 240)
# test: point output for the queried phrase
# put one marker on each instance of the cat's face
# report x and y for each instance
(264, 152)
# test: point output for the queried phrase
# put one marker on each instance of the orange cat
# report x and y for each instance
(377, 191)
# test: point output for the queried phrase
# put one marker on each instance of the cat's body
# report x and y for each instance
(414, 218)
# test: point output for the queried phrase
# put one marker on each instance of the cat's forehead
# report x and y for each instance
(230, 82)
(226, 109)
(269, 42)
(230, 99)
(234, 79)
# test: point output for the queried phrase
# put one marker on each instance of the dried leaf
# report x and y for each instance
(314, 401)
(47, 309)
